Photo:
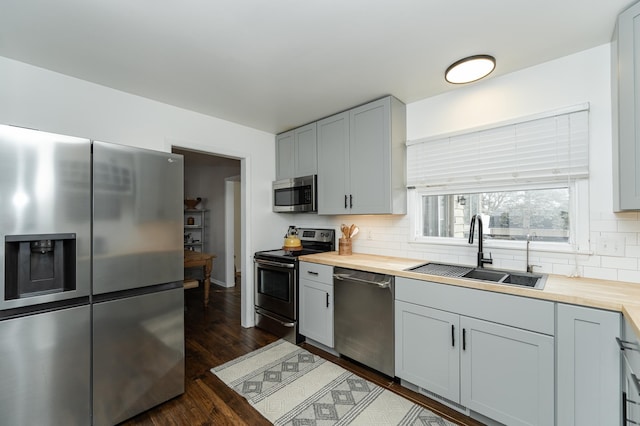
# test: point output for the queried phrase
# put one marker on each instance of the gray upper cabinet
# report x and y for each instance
(361, 160)
(625, 53)
(284, 155)
(333, 164)
(296, 152)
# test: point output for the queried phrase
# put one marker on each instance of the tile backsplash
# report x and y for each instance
(614, 246)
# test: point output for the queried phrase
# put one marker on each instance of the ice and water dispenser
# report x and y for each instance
(39, 264)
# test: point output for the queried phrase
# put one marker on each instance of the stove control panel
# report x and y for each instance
(321, 235)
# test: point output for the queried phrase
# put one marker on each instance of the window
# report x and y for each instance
(506, 215)
(528, 177)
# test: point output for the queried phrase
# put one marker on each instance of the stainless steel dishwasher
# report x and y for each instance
(364, 319)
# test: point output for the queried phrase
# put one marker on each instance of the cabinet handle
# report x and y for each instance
(350, 201)
(626, 345)
(327, 299)
(453, 335)
(464, 339)
(625, 400)
(635, 381)
(345, 201)
(312, 273)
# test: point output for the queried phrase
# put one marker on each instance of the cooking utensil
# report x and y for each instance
(355, 232)
(345, 231)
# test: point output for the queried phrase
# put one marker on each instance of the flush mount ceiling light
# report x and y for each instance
(470, 69)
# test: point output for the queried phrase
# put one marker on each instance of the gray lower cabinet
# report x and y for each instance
(507, 373)
(630, 358)
(469, 347)
(316, 302)
(588, 366)
(361, 160)
(428, 341)
(296, 152)
(625, 51)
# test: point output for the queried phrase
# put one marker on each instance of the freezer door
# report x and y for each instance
(138, 214)
(44, 368)
(138, 354)
(44, 189)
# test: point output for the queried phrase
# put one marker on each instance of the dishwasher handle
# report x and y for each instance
(347, 277)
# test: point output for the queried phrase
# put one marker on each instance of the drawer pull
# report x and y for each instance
(625, 345)
(312, 273)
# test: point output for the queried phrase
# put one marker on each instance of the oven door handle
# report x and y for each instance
(276, 264)
(284, 324)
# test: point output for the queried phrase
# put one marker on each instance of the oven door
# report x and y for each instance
(275, 287)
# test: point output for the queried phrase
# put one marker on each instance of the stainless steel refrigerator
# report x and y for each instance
(45, 252)
(92, 305)
(138, 298)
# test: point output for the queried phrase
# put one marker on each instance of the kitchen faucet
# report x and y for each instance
(529, 267)
(481, 259)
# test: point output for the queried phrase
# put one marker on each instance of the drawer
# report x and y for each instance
(316, 272)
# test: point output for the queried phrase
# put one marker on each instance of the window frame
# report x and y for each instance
(579, 234)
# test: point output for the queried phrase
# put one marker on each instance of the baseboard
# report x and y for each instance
(220, 283)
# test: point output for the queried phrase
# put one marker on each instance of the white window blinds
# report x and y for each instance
(549, 149)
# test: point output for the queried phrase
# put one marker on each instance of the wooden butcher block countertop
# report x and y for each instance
(612, 295)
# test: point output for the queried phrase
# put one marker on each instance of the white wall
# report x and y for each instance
(576, 79)
(37, 98)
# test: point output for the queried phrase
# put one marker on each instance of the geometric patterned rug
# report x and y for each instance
(291, 386)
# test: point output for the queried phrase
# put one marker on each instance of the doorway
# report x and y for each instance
(206, 176)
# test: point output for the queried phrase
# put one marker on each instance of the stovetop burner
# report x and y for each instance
(313, 241)
(289, 253)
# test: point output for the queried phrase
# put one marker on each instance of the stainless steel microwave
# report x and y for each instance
(295, 195)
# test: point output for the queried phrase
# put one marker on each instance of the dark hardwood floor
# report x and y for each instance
(213, 337)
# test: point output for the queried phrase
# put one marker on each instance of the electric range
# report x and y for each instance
(276, 282)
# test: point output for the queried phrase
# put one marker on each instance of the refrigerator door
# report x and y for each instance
(45, 184)
(138, 356)
(44, 371)
(138, 215)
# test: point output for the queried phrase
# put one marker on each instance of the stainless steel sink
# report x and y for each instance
(514, 278)
(485, 275)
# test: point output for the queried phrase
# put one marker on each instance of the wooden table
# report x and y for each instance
(194, 259)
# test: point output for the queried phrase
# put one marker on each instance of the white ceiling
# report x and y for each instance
(277, 64)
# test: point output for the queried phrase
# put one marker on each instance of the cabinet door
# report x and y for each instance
(370, 158)
(316, 311)
(427, 349)
(507, 373)
(626, 144)
(631, 395)
(285, 155)
(588, 366)
(306, 156)
(333, 164)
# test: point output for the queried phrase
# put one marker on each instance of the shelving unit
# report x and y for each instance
(195, 234)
